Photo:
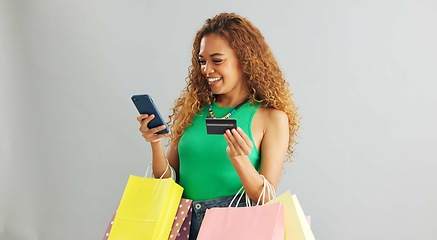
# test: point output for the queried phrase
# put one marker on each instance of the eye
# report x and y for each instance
(202, 62)
(217, 60)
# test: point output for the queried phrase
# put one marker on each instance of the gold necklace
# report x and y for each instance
(211, 114)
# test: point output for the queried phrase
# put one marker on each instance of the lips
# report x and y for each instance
(211, 80)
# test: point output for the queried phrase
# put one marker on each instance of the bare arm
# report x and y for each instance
(159, 160)
(273, 148)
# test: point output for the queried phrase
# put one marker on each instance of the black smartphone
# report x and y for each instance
(219, 126)
(145, 105)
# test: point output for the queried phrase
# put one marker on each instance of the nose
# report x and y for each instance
(207, 69)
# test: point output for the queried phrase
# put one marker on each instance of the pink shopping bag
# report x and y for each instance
(262, 222)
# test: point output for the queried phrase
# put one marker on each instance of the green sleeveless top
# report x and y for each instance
(205, 170)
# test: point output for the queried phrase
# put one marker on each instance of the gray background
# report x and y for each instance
(363, 74)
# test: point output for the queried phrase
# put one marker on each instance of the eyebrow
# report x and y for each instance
(212, 55)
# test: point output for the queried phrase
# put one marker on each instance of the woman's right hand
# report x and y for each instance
(150, 134)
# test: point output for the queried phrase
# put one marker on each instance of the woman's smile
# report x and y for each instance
(213, 81)
(218, 61)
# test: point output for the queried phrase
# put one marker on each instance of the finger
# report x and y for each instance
(157, 129)
(228, 135)
(235, 143)
(150, 131)
(141, 117)
(145, 121)
(237, 138)
(245, 137)
(155, 137)
(245, 147)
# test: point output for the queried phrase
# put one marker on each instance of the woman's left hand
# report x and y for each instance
(239, 144)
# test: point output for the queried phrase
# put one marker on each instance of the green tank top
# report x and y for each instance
(205, 170)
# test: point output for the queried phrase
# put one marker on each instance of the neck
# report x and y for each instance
(229, 101)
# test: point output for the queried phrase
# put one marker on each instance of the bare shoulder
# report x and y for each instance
(268, 126)
(269, 118)
(270, 114)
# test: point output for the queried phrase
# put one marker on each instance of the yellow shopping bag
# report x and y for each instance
(147, 209)
(295, 222)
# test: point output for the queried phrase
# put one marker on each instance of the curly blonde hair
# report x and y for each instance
(260, 70)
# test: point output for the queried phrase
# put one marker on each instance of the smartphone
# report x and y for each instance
(145, 105)
(219, 126)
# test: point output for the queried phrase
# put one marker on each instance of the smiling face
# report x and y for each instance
(220, 65)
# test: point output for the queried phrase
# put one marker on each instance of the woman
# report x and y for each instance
(233, 75)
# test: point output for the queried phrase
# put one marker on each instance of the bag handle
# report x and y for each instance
(166, 169)
(267, 189)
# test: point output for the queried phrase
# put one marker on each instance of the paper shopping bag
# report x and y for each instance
(262, 222)
(182, 222)
(184, 232)
(108, 229)
(147, 209)
(180, 229)
(296, 223)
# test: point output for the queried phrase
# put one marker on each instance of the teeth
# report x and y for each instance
(214, 79)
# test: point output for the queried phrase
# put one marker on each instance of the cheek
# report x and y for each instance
(231, 71)
(236, 72)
